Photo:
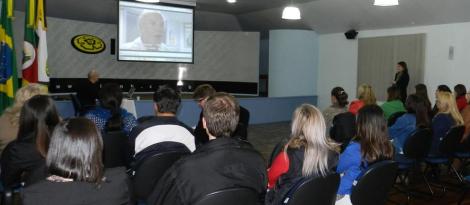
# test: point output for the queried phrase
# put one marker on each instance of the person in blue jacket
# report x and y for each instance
(447, 117)
(371, 145)
(416, 117)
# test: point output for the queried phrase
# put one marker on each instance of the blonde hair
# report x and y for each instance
(447, 105)
(309, 131)
(23, 95)
(366, 94)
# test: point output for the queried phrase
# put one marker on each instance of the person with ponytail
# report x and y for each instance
(339, 104)
(109, 116)
(23, 160)
(308, 153)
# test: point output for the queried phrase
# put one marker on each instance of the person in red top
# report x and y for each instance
(460, 91)
(365, 96)
(308, 153)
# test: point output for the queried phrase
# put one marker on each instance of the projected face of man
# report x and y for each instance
(152, 29)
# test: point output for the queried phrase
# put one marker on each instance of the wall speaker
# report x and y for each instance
(113, 46)
(351, 34)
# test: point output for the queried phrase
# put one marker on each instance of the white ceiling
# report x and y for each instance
(323, 16)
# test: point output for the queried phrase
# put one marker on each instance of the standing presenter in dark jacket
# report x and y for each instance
(223, 162)
(402, 78)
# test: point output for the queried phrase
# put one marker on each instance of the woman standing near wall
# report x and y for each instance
(402, 78)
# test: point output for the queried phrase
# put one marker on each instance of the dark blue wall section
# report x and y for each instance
(262, 110)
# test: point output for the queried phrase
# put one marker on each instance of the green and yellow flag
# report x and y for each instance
(8, 72)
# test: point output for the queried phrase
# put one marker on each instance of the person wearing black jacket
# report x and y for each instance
(87, 92)
(402, 78)
(201, 93)
(223, 162)
(23, 159)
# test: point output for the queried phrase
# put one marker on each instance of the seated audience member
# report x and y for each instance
(370, 146)
(339, 104)
(201, 94)
(440, 88)
(447, 117)
(9, 121)
(417, 116)
(109, 116)
(394, 103)
(165, 127)
(223, 162)
(466, 119)
(422, 91)
(309, 153)
(87, 92)
(23, 159)
(460, 91)
(365, 96)
(76, 173)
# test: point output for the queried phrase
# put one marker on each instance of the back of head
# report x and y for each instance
(167, 99)
(446, 104)
(340, 95)
(393, 93)
(21, 96)
(460, 90)
(416, 105)
(37, 120)
(422, 91)
(443, 88)
(366, 94)
(75, 151)
(372, 134)
(203, 91)
(110, 97)
(221, 113)
(308, 133)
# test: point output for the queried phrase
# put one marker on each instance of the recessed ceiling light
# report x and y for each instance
(291, 13)
(386, 3)
(232, 1)
(149, 1)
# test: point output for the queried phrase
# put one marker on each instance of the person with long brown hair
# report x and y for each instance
(417, 116)
(9, 121)
(23, 159)
(308, 153)
(402, 78)
(371, 145)
(76, 171)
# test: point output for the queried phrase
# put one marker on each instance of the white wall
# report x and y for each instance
(338, 58)
(293, 62)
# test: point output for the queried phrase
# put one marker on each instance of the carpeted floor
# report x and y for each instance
(265, 136)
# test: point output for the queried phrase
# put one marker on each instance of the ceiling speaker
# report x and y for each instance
(351, 34)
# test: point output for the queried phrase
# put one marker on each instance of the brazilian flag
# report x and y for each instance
(8, 73)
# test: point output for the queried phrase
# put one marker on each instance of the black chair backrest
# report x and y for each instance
(320, 190)
(373, 187)
(393, 118)
(451, 141)
(151, 170)
(232, 196)
(116, 151)
(417, 145)
(343, 129)
(76, 104)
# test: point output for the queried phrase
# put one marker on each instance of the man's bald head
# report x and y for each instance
(152, 28)
(93, 76)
